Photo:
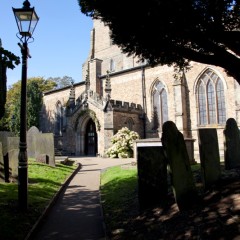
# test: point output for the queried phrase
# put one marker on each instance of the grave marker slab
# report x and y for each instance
(31, 147)
(209, 156)
(3, 139)
(152, 174)
(231, 144)
(45, 145)
(183, 185)
(13, 164)
(1, 163)
(13, 150)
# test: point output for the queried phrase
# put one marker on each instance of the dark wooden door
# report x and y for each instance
(91, 139)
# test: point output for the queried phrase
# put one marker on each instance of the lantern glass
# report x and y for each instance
(26, 19)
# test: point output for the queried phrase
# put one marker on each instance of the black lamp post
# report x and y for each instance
(27, 20)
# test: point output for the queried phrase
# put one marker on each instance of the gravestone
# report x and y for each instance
(231, 144)
(3, 139)
(31, 143)
(13, 150)
(209, 156)
(13, 164)
(152, 174)
(45, 145)
(1, 164)
(183, 185)
(4, 166)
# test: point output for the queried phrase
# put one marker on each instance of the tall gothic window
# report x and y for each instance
(58, 119)
(211, 101)
(112, 65)
(160, 106)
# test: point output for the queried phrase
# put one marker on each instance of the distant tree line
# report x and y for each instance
(36, 86)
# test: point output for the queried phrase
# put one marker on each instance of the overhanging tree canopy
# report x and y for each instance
(7, 60)
(174, 31)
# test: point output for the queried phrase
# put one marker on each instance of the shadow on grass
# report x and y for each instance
(119, 201)
(68, 162)
(216, 218)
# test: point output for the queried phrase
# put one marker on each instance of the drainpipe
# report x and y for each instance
(144, 102)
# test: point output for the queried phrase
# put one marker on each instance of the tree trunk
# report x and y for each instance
(3, 88)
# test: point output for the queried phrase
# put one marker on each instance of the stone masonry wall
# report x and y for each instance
(127, 86)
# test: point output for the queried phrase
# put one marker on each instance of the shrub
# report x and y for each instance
(122, 144)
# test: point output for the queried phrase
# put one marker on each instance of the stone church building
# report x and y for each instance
(119, 91)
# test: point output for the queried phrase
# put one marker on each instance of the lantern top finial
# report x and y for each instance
(26, 4)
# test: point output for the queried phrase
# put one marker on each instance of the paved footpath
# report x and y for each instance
(77, 214)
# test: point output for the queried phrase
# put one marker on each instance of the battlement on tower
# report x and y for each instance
(127, 106)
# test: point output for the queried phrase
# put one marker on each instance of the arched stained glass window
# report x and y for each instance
(202, 104)
(211, 100)
(211, 103)
(221, 103)
(160, 106)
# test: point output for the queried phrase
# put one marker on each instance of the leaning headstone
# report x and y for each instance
(152, 174)
(183, 185)
(31, 143)
(45, 145)
(231, 144)
(209, 156)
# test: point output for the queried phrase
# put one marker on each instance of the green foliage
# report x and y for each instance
(44, 182)
(205, 31)
(122, 144)
(61, 82)
(34, 103)
(35, 87)
(7, 60)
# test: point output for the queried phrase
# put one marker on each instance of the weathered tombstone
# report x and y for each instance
(209, 156)
(13, 164)
(4, 167)
(152, 174)
(3, 139)
(45, 145)
(31, 143)
(183, 185)
(13, 150)
(231, 144)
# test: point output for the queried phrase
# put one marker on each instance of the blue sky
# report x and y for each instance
(61, 39)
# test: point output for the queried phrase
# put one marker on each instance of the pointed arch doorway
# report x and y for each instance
(91, 139)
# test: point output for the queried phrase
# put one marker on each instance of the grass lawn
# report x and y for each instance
(120, 199)
(119, 196)
(44, 182)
